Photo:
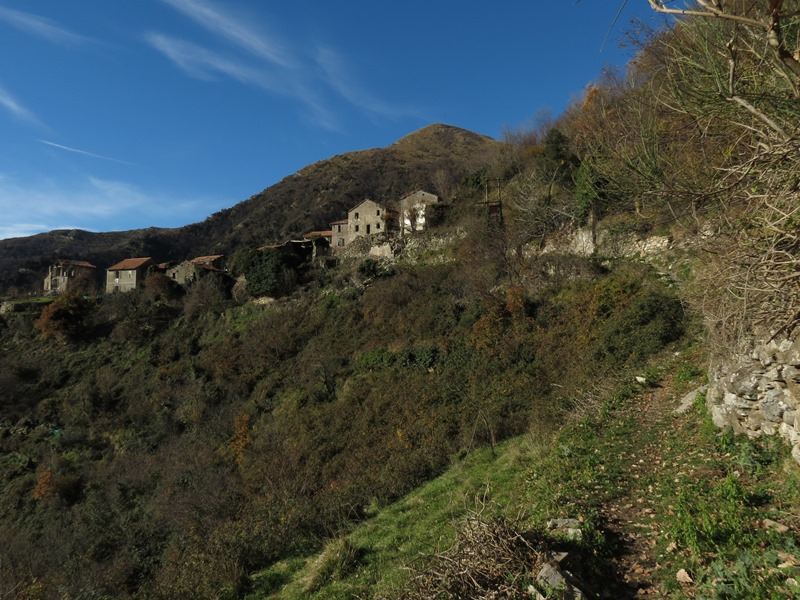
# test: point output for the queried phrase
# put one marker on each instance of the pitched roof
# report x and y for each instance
(130, 264)
(66, 262)
(423, 193)
(340, 222)
(312, 234)
(204, 260)
(364, 201)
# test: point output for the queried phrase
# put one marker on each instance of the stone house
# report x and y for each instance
(367, 218)
(65, 274)
(413, 208)
(127, 275)
(339, 234)
(191, 270)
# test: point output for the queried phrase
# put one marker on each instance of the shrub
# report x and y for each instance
(210, 294)
(159, 287)
(379, 358)
(65, 318)
(652, 320)
(271, 272)
(372, 269)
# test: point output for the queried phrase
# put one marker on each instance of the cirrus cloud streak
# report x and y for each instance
(98, 204)
(268, 62)
(41, 27)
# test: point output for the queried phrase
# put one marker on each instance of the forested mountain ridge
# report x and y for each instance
(435, 157)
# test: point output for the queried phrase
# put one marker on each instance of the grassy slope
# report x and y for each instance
(657, 492)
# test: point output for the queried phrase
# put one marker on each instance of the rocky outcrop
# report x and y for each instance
(758, 393)
(427, 247)
(581, 242)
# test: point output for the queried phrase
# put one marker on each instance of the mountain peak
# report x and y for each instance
(440, 134)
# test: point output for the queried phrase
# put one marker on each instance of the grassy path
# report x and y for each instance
(670, 508)
(674, 508)
(661, 449)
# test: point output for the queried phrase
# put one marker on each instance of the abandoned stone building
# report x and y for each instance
(127, 274)
(371, 218)
(339, 233)
(414, 209)
(367, 218)
(319, 243)
(65, 274)
(191, 270)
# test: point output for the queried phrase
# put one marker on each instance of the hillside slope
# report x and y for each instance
(306, 200)
(170, 445)
(668, 507)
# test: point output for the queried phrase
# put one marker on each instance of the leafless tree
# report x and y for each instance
(766, 19)
(735, 63)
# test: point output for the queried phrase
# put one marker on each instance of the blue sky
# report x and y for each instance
(120, 115)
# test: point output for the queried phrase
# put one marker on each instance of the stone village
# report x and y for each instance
(368, 218)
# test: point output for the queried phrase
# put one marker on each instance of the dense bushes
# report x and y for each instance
(65, 317)
(191, 441)
(269, 272)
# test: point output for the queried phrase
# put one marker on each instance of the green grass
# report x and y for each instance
(705, 492)
(402, 533)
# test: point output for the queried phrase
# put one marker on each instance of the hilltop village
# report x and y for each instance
(368, 218)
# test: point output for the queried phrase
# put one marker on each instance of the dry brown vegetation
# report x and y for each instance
(172, 448)
(162, 445)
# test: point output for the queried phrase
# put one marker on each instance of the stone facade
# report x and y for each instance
(759, 393)
(339, 234)
(368, 218)
(190, 271)
(64, 273)
(127, 275)
(412, 211)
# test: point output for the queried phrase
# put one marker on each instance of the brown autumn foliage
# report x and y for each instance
(328, 404)
(65, 318)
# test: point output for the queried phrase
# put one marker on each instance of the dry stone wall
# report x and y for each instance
(756, 393)
(759, 393)
(581, 242)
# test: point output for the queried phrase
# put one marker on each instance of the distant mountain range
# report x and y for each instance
(308, 200)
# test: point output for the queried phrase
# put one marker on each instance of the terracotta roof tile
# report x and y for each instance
(130, 264)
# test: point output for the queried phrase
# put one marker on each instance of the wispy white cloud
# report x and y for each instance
(243, 35)
(13, 106)
(95, 204)
(338, 76)
(279, 67)
(202, 63)
(84, 152)
(40, 26)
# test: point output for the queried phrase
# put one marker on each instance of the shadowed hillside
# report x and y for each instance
(435, 157)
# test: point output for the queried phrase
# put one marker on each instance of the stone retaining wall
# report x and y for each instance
(759, 393)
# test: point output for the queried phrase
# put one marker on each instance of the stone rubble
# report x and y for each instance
(552, 576)
(758, 393)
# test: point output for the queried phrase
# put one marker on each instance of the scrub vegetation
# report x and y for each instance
(373, 424)
(169, 448)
